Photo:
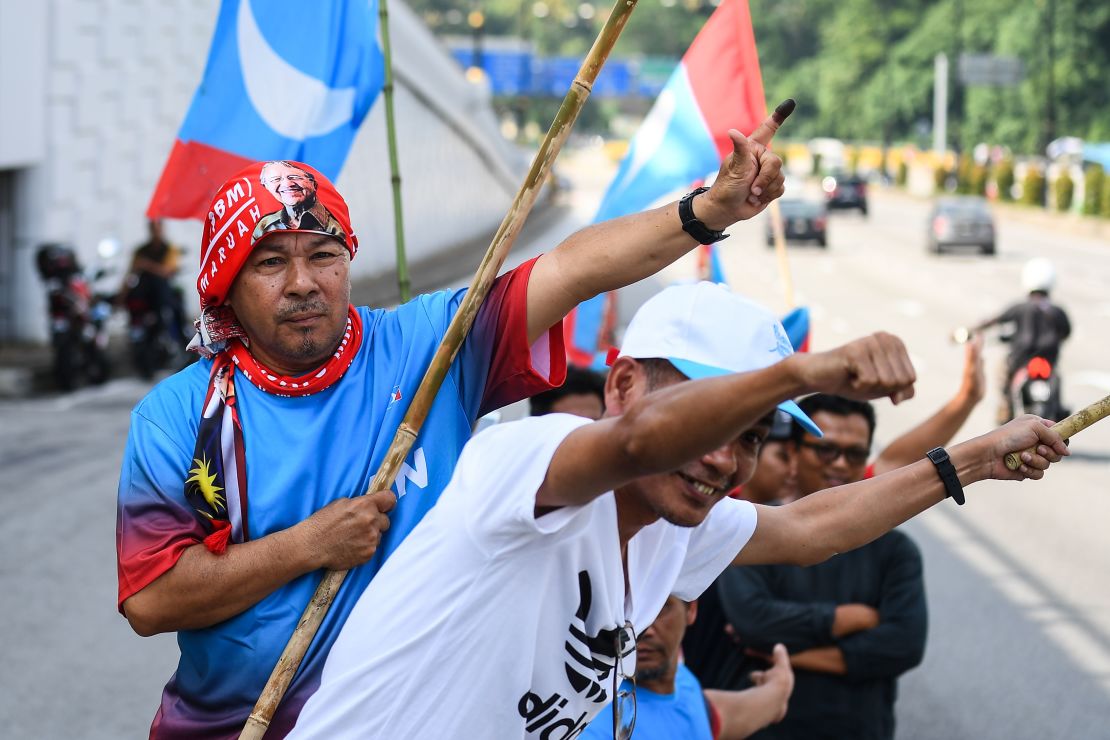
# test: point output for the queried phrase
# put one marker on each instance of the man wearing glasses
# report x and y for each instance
(512, 609)
(854, 623)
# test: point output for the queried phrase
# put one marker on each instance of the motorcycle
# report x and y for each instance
(78, 318)
(151, 325)
(1035, 389)
(1032, 388)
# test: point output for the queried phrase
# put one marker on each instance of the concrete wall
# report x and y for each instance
(102, 86)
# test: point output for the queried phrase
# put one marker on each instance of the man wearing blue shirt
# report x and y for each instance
(670, 702)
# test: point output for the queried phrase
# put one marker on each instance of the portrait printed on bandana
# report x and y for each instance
(295, 189)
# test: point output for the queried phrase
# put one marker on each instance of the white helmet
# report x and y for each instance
(1038, 275)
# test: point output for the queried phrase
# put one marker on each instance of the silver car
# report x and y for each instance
(961, 221)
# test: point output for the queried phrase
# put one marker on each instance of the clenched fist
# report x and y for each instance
(346, 532)
(871, 367)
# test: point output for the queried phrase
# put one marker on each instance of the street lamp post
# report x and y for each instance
(1050, 82)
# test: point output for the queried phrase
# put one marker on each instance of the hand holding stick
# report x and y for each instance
(1069, 427)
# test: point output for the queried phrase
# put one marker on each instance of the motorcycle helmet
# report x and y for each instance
(1038, 275)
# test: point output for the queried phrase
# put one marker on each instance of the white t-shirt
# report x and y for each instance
(490, 623)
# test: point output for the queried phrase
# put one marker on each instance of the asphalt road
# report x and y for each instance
(1019, 642)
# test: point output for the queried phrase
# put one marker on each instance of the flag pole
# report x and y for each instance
(456, 332)
(394, 163)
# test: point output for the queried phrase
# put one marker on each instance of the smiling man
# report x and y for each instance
(295, 188)
(512, 609)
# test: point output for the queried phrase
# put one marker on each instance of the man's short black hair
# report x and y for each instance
(837, 406)
(578, 382)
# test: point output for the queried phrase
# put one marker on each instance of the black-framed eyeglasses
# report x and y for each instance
(624, 683)
(827, 452)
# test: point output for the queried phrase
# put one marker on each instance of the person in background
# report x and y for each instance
(1038, 326)
(583, 394)
(670, 703)
(776, 477)
(149, 282)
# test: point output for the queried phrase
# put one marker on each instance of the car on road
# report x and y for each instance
(843, 190)
(802, 220)
(962, 221)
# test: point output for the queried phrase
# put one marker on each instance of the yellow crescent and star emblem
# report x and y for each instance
(203, 482)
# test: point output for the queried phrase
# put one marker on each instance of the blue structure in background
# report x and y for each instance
(519, 72)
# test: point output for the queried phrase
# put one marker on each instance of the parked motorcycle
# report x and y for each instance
(78, 318)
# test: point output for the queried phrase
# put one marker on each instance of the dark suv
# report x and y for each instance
(845, 191)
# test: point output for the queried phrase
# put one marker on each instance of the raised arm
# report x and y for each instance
(616, 253)
(744, 713)
(942, 426)
(661, 431)
(815, 528)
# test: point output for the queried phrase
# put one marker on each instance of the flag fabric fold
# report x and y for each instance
(271, 94)
(716, 86)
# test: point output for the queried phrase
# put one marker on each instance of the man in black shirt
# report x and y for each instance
(852, 624)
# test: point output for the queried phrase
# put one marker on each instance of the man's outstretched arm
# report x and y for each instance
(942, 426)
(668, 428)
(815, 528)
(616, 253)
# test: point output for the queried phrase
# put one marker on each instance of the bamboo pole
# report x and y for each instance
(1070, 426)
(394, 164)
(317, 608)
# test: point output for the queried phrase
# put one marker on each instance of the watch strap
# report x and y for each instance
(692, 225)
(952, 487)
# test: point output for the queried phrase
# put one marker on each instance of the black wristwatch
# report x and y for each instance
(952, 488)
(690, 223)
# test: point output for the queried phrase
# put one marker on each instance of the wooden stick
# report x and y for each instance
(421, 403)
(778, 231)
(391, 141)
(1069, 427)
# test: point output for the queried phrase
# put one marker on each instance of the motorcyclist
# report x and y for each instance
(149, 282)
(1039, 325)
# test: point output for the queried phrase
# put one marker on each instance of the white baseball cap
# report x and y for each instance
(706, 330)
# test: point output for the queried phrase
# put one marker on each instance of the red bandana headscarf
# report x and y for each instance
(260, 199)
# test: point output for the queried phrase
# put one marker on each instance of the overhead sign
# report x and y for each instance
(554, 77)
(509, 70)
(991, 70)
(516, 71)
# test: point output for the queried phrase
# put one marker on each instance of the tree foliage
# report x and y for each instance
(863, 69)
